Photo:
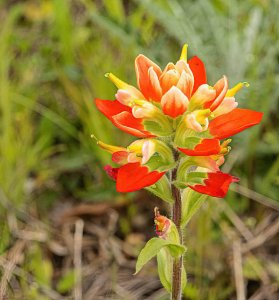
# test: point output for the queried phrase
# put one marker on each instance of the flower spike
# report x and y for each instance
(174, 109)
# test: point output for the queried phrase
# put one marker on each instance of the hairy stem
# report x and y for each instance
(176, 215)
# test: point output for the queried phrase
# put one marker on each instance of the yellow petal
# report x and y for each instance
(110, 148)
(118, 82)
(183, 55)
(231, 92)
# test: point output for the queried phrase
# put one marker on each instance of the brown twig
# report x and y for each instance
(244, 191)
(238, 272)
(262, 237)
(14, 257)
(77, 258)
(236, 221)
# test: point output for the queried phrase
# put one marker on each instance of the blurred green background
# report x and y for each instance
(53, 57)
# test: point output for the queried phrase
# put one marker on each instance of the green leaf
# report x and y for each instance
(191, 292)
(5, 237)
(116, 10)
(152, 248)
(67, 282)
(162, 159)
(40, 266)
(184, 279)
(188, 138)
(191, 203)
(162, 189)
(164, 263)
(160, 126)
(182, 172)
(190, 143)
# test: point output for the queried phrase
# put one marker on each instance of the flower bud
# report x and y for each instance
(169, 77)
(162, 224)
(198, 120)
(126, 93)
(227, 105)
(165, 228)
(174, 102)
(203, 94)
(144, 109)
(141, 151)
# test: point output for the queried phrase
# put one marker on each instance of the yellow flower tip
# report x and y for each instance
(231, 92)
(183, 55)
(93, 137)
(118, 82)
(225, 149)
(226, 142)
(110, 148)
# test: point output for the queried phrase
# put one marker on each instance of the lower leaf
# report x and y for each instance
(153, 247)
(164, 262)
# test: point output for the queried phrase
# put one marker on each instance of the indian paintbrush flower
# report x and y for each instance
(178, 103)
(182, 123)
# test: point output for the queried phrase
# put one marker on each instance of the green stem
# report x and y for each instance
(176, 215)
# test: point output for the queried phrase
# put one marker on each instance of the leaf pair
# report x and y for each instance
(153, 247)
(165, 263)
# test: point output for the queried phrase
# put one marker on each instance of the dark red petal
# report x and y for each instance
(128, 123)
(112, 172)
(204, 148)
(132, 177)
(121, 116)
(198, 69)
(216, 185)
(234, 122)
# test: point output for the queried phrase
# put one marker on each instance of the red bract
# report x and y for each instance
(112, 172)
(234, 122)
(132, 177)
(204, 148)
(215, 185)
(199, 72)
(121, 116)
